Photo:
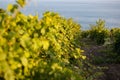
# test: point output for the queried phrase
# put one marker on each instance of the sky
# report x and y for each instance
(72, 0)
(79, 0)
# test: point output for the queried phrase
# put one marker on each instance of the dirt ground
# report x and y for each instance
(91, 49)
(112, 73)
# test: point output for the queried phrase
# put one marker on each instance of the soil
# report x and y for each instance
(92, 49)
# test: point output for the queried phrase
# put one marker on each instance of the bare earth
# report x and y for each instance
(91, 49)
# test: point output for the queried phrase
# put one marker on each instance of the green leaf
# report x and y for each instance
(2, 10)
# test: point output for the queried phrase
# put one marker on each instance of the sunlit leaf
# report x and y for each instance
(56, 66)
(27, 54)
(43, 31)
(2, 56)
(9, 75)
(24, 61)
(21, 2)
(10, 7)
(45, 44)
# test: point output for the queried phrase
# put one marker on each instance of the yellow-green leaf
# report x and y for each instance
(2, 56)
(10, 7)
(9, 75)
(24, 61)
(21, 2)
(43, 31)
(45, 44)
(27, 54)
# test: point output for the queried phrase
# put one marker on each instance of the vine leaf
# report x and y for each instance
(21, 2)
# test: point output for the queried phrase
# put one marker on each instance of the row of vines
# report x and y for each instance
(39, 49)
(46, 48)
(103, 36)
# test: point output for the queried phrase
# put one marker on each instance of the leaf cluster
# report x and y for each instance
(38, 49)
(98, 32)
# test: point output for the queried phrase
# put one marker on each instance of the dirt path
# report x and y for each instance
(93, 51)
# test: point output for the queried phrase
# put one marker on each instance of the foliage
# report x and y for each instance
(85, 34)
(98, 32)
(115, 36)
(115, 33)
(33, 49)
